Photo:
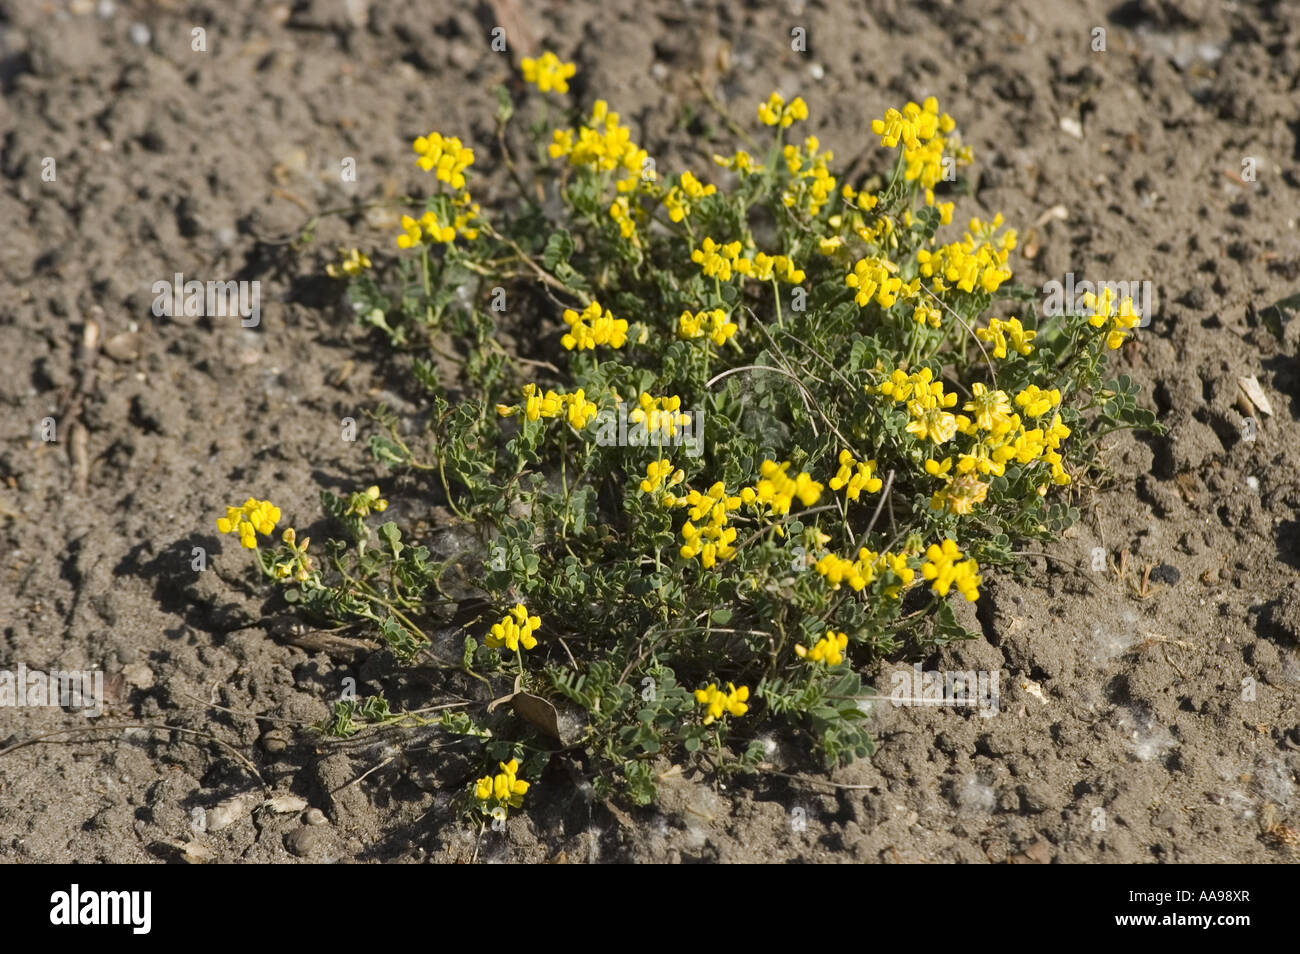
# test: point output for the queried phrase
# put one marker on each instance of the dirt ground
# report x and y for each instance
(1146, 716)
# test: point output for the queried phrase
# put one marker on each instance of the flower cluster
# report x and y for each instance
(811, 184)
(711, 324)
(626, 215)
(602, 145)
(999, 436)
(595, 326)
(914, 126)
(659, 415)
(684, 195)
(716, 259)
(829, 649)
(660, 475)
(1118, 320)
(945, 569)
(515, 629)
(254, 517)
(876, 279)
(298, 565)
(549, 404)
(721, 261)
(777, 112)
(547, 72)
(874, 341)
(960, 495)
(740, 161)
(1004, 333)
(353, 264)
(922, 131)
(866, 569)
(776, 491)
(706, 533)
(428, 226)
(734, 701)
(363, 503)
(445, 156)
(927, 404)
(975, 261)
(1037, 402)
(506, 789)
(855, 476)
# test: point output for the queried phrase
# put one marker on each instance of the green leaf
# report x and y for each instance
(392, 536)
(559, 248)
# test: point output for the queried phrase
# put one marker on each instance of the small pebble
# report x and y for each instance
(306, 842)
(1166, 573)
(315, 817)
(226, 813)
(197, 853)
(139, 34)
(138, 675)
(286, 804)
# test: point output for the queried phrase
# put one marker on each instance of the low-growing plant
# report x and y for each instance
(761, 434)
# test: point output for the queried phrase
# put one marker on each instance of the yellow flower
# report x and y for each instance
(960, 495)
(855, 475)
(776, 112)
(999, 331)
(945, 569)
(299, 565)
(713, 324)
(445, 156)
(866, 569)
(361, 504)
(716, 702)
(716, 260)
(515, 629)
(683, 196)
(660, 475)
(661, 416)
(874, 278)
(991, 408)
(624, 215)
(712, 539)
(829, 649)
(975, 261)
(1124, 318)
(537, 405)
(595, 326)
(1036, 401)
(742, 162)
(811, 184)
(428, 225)
(354, 263)
(776, 491)
(254, 517)
(547, 72)
(506, 788)
(914, 126)
(603, 145)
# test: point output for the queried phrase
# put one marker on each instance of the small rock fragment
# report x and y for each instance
(226, 813)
